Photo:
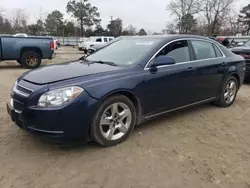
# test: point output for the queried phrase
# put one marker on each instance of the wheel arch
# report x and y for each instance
(33, 49)
(236, 76)
(131, 96)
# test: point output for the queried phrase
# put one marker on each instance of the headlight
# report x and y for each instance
(59, 97)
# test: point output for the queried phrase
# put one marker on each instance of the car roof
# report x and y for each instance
(170, 37)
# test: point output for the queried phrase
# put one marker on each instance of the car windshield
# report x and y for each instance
(124, 52)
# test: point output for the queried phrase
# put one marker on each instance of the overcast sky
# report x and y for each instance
(148, 14)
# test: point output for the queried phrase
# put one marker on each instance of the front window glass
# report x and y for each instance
(125, 52)
(178, 50)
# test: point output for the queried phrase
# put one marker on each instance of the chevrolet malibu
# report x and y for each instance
(104, 96)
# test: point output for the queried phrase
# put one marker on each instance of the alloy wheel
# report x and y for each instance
(115, 121)
(31, 60)
(230, 91)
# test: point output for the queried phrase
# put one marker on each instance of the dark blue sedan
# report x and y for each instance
(104, 96)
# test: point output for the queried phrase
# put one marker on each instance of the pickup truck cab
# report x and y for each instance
(20, 35)
(27, 51)
(85, 45)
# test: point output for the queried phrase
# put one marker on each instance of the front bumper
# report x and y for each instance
(18, 118)
(66, 123)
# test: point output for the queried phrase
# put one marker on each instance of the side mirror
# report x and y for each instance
(163, 60)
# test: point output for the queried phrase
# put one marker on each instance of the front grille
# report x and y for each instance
(21, 90)
(24, 90)
(18, 105)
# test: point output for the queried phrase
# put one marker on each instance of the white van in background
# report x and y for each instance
(85, 45)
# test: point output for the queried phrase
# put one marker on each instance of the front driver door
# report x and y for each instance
(171, 86)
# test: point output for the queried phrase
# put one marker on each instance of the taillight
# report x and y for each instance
(52, 45)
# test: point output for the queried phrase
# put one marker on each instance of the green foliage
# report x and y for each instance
(5, 26)
(187, 24)
(244, 18)
(142, 32)
(84, 12)
(69, 29)
(54, 23)
(115, 27)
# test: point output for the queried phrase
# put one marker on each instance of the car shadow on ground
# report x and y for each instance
(13, 66)
(42, 144)
(161, 119)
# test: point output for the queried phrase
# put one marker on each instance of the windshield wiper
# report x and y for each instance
(106, 62)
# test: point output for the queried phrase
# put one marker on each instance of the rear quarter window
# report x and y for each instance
(217, 51)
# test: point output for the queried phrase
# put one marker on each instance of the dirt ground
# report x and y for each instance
(205, 146)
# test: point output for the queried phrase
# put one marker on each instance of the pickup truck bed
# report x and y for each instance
(27, 51)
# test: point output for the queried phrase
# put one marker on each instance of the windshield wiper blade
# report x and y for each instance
(106, 62)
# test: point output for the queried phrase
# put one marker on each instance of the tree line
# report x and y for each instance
(86, 23)
(203, 17)
(208, 17)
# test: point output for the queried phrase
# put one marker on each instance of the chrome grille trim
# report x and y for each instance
(19, 92)
(25, 88)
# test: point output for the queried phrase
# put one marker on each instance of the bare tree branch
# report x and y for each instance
(214, 10)
(182, 8)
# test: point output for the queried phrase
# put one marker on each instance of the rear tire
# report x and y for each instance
(114, 121)
(31, 60)
(228, 92)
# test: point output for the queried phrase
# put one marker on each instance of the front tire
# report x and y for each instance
(114, 121)
(31, 60)
(228, 92)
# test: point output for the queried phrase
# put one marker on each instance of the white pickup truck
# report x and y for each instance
(92, 41)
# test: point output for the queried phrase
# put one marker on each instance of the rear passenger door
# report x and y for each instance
(210, 65)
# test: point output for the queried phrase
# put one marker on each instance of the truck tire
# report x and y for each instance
(31, 60)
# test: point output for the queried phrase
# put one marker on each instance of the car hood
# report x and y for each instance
(65, 71)
(240, 49)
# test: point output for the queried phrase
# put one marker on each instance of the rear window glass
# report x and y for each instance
(203, 50)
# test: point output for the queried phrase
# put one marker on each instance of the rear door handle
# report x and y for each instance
(191, 69)
(224, 64)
